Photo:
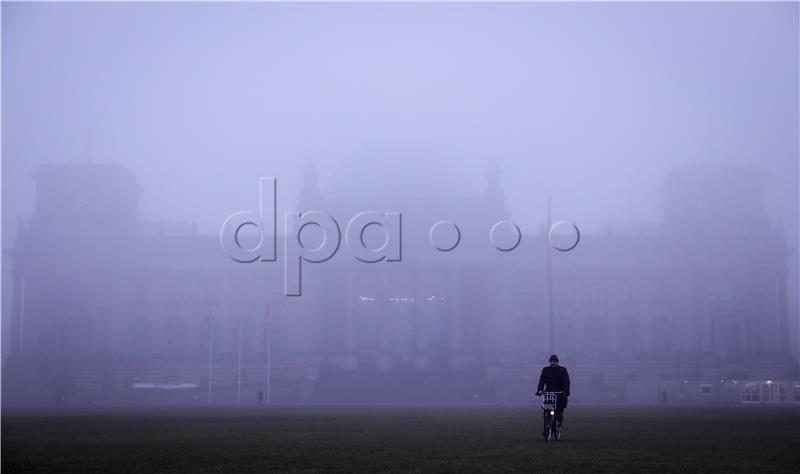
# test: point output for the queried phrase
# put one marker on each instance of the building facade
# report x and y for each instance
(105, 307)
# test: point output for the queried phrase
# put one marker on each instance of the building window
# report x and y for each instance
(769, 391)
(705, 389)
(751, 393)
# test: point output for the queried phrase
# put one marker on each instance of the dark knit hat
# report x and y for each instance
(553, 358)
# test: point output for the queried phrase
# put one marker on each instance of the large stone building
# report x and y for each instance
(107, 308)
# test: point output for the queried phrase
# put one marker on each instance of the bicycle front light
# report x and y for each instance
(552, 412)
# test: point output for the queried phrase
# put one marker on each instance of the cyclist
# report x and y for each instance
(555, 378)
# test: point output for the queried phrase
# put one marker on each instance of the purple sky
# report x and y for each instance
(590, 103)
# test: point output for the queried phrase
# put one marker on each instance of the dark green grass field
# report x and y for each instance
(596, 439)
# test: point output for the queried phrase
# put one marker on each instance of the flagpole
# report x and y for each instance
(239, 367)
(548, 265)
(209, 357)
(21, 317)
(269, 356)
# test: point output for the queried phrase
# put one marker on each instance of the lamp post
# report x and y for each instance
(239, 366)
(548, 265)
(269, 355)
(209, 356)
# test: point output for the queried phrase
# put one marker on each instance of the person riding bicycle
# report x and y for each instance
(555, 378)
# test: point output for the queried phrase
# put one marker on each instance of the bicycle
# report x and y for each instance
(552, 429)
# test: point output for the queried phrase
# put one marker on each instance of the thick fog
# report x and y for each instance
(666, 133)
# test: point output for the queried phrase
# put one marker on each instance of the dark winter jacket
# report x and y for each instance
(554, 379)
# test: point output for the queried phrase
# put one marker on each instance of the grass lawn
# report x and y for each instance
(596, 439)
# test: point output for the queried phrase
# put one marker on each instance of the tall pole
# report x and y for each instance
(239, 367)
(548, 265)
(209, 357)
(21, 315)
(269, 355)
